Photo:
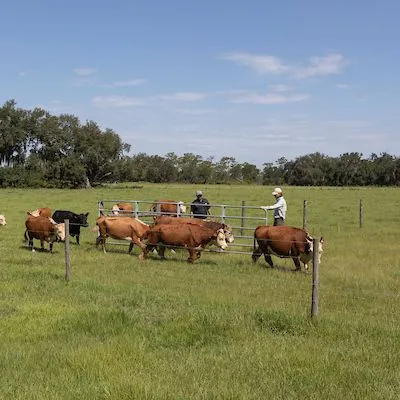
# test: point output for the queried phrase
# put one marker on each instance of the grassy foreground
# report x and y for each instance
(222, 328)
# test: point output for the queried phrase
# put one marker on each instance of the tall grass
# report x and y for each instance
(222, 328)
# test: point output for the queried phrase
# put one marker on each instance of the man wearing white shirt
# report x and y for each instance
(279, 207)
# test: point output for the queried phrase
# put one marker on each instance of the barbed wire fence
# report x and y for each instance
(241, 218)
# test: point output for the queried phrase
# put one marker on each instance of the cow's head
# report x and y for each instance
(307, 256)
(3, 220)
(228, 233)
(34, 213)
(220, 239)
(60, 232)
(83, 220)
(115, 209)
(181, 207)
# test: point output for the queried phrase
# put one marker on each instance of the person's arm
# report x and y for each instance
(207, 204)
(278, 204)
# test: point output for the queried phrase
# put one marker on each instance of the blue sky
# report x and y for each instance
(255, 80)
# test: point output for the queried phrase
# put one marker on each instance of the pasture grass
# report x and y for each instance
(222, 328)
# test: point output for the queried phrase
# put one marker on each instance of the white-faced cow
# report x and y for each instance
(75, 221)
(122, 209)
(284, 241)
(164, 219)
(190, 236)
(43, 229)
(172, 208)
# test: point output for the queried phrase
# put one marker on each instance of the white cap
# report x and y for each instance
(199, 193)
(277, 191)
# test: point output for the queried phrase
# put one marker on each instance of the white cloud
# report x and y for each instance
(348, 124)
(197, 111)
(84, 71)
(267, 64)
(184, 96)
(319, 66)
(280, 88)
(126, 101)
(131, 82)
(342, 86)
(118, 101)
(263, 64)
(269, 98)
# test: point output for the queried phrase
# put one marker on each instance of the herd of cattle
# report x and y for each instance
(169, 229)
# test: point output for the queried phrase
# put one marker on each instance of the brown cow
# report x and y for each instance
(172, 208)
(42, 211)
(164, 219)
(43, 229)
(122, 208)
(121, 228)
(192, 237)
(284, 241)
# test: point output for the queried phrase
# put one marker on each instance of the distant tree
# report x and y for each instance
(222, 169)
(250, 173)
(188, 167)
(13, 134)
(99, 151)
(205, 171)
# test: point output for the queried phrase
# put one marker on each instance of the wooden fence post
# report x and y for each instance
(243, 217)
(315, 279)
(305, 214)
(67, 252)
(361, 213)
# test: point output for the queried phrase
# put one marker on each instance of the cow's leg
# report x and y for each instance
(41, 245)
(101, 239)
(297, 263)
(30, 244)
(77, 238)
(145, 251)
(137, 241)
(256, 254)
(192, 255)
(268, 260)
(51, 246)
(161, 252)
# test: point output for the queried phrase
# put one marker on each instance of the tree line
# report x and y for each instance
(38, 149)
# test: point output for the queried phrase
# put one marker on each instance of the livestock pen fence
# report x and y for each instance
(242, 219)
(231, 215)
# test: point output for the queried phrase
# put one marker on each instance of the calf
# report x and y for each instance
(284, 241)
(192, 237)
(43, 229)
(75, 221)
(121, 228)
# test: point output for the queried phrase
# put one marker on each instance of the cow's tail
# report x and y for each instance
(254, 241)
(26, 235)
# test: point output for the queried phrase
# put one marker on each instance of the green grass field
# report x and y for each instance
(223, 328)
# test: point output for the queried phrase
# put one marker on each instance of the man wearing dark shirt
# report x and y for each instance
(200, 206)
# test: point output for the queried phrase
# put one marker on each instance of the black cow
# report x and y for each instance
(75, 221)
